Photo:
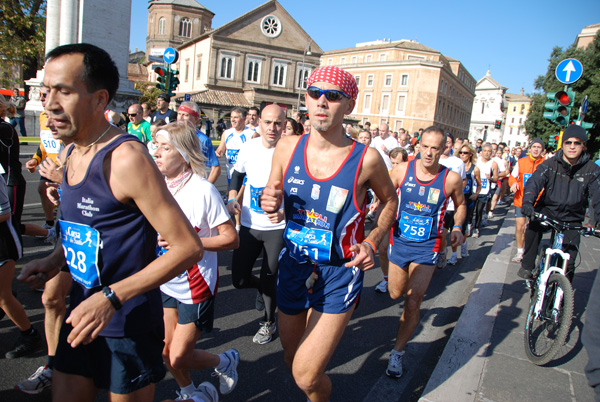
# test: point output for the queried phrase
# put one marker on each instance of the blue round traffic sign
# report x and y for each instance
(568, 71)
(171, 55)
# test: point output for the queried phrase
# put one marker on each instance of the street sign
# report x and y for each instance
(584, 105)
(187, 97)
(568, 71)
(171, 55)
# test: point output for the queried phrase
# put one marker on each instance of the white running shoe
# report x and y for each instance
(475, 234)
(51, 237)
(183, 397)
(518, 257)
(206, 392)
(37, 382)
(394, 367)
(441, 262)
(265, 332)
(464, 250)
(382, 287)
(453, 259)
(228, 377)
(490, 215)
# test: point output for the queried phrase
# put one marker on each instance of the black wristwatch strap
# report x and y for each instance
(112, 298)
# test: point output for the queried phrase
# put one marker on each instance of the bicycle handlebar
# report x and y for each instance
(562, 226)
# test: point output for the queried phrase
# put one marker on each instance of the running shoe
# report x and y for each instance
(475, 234)
(181, 396)
(453, 259)
(490, 215)
(46, 226)
(259, 303)
(37, 382)
(228, 377)
(382, 287)
(441, 262)
(525, 274)
(394, 367)
(464, 250)
(24, 345)
(206, 392)
(51, 237)
(265, 332)
(518, 257)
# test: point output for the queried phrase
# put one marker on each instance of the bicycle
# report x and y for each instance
(551, 296)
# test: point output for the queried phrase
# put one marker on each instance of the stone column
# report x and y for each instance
(69, 21)
(52, 24)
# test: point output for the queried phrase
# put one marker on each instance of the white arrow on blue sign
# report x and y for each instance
(171, 55)
(568, 71)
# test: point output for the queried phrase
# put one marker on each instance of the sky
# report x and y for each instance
(512, 39)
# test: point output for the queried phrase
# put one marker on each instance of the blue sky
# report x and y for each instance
(513, 39)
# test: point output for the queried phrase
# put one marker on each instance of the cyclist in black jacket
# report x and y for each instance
(568, 180)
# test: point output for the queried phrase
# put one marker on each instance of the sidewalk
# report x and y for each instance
(484, 360)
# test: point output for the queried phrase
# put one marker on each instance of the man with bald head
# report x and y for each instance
(322, 180)
(384, 144)
(137, 125)
(259, 231)
(190, 112)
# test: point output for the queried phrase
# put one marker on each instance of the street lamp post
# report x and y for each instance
(307, 52)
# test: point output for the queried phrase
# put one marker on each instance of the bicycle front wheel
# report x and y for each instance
(546, 333)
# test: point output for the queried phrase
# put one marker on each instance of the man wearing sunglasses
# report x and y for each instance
(137, 125)
(569, 179)
(322, 180)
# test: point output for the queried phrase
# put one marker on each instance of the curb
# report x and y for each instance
(460, 368)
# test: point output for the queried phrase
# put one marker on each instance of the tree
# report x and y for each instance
(22, 34)
(588, 84)
(149, 92)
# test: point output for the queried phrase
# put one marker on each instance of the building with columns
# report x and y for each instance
(488, 107)
(407, 85)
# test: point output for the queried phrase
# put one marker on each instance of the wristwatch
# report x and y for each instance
(112, 297)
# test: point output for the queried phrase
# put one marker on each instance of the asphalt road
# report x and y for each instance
(357, 367)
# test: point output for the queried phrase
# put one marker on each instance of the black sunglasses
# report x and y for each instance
(576, 143)
(132, 114)
(330, 94)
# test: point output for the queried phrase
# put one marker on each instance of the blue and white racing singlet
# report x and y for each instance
(421, 209)
(323, 217)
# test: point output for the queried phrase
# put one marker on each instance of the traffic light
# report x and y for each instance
(498, 124)
(559, 110)
(173, 82)
(162, 78)
(553, 140)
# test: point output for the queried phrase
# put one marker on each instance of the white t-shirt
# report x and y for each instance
(233, 143)
(255, 160)
(485, 168)
(456, 165)
(202, 204)
(389, 143)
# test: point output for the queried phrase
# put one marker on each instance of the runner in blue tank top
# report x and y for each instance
(424, 189)
(113, 335)
(322, 178)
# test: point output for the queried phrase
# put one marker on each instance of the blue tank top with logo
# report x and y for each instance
(421, 209)
(323, 217)
(106, 241)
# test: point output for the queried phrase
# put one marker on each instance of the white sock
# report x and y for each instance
(188, 389)
(223, 362)
(519, 251)
(395, 352)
